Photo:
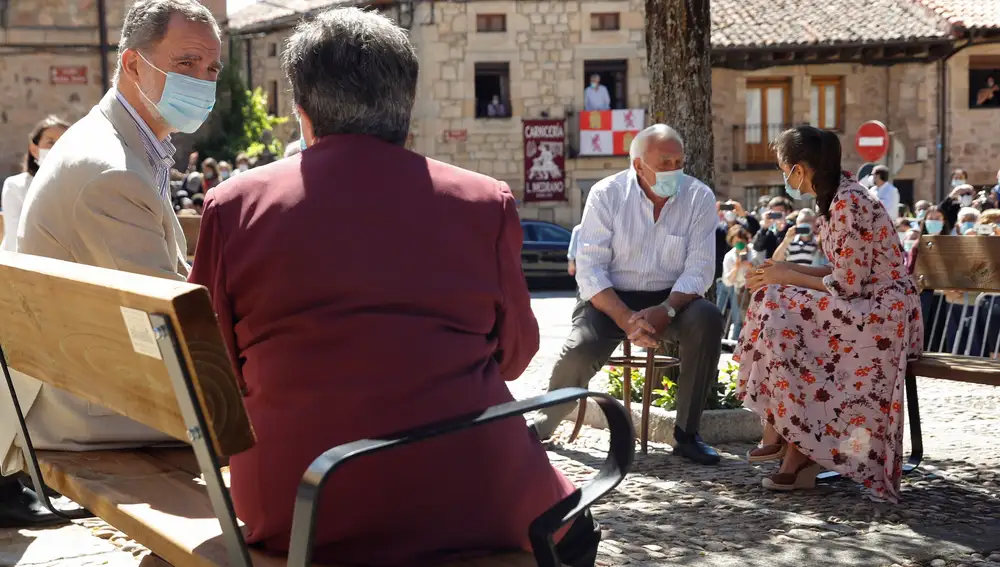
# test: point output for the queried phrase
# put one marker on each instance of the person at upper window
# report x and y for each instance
(596, 95)
(15, 188)
(461, 319)
(645, 257)
(496, 108)
(886, 191)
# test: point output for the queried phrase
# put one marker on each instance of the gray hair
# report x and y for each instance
(353, 72)
(147, 20)
(656, 132)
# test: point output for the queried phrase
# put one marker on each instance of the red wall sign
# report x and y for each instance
(872, 140)
(544, 160)
(456, 135)
(76, 75)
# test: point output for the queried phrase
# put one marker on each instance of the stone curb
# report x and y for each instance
(717, 426)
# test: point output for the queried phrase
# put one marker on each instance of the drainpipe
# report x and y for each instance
(942, 120)
(248, 48)
(102, 22)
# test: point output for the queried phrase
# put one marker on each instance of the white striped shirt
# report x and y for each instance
(622, 247)
(160, 154)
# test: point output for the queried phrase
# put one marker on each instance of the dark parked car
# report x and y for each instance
(545, 248)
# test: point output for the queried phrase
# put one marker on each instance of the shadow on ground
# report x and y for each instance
(673, 512)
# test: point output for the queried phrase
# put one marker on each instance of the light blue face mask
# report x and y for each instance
(185, 102)
(934, 226)
(302, 143)
(793, 192)
(966, 226)
(667, 182)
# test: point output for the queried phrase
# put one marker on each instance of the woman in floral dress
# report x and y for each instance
(823, 350)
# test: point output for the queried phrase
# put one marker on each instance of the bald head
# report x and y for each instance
(656, 149)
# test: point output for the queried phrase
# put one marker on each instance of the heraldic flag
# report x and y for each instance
(609, 132)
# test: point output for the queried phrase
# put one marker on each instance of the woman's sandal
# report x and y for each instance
(765, 453)
(802, 479)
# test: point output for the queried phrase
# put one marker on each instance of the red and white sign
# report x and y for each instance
(609, 132)
(456, 135)
(544, 160)
(872, 140)
(68, 75)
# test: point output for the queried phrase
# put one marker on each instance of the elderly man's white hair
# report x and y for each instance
(656, 132)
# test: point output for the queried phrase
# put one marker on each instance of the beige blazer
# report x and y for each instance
(94, 201)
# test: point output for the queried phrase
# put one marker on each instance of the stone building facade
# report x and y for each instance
(50, 64)
(546, 50)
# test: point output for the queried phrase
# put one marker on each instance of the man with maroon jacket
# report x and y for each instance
(364, 289)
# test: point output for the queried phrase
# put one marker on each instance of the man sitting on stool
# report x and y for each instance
(645, 256)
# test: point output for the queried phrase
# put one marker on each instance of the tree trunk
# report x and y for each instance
(678, 42)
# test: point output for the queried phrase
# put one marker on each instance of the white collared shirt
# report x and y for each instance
(620, 246)
(596, 98)
(159, 153)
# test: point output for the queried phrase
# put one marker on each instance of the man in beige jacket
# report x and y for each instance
(102, 198)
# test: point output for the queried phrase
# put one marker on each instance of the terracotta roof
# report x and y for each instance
(969, 14)
(800, 23)
(268, 13)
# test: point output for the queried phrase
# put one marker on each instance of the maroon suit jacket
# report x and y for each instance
(364, 289)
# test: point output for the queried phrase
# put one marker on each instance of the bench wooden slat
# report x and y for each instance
(963, 263)
(960, 368)
(191, 225)
(166, 508)
(62, 323)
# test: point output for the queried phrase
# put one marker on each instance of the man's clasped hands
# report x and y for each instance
(644, 327)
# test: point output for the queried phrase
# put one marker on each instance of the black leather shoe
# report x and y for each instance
(22, 509)
(697, 451)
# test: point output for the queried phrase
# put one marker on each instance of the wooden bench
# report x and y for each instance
(150, 349)
(961, 263)
(191, 225)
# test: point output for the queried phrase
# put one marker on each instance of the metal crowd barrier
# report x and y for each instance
(964, 329)
(970, 329)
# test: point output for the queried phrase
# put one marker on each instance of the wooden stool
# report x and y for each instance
(654, 364)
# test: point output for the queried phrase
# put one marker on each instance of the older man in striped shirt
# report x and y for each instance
(645, 257)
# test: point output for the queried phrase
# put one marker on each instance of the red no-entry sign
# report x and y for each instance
(872, 140)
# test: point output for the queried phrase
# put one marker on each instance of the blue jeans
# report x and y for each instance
(735, 313)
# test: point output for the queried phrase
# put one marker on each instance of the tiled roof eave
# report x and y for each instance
(940, 40)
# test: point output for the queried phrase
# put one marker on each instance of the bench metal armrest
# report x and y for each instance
(614, 469)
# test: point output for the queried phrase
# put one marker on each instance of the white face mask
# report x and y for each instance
(42, 152)
(965, 200)
(730, 216)
(243, 167)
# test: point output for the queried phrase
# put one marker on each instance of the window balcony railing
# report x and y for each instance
(752, 145)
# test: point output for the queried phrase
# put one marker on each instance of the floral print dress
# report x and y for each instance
(826, 368)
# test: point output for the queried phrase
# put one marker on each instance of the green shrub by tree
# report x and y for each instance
(721, 396)
(240, 119)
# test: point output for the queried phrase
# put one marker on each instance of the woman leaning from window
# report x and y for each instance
(823, 351)
(43, 136)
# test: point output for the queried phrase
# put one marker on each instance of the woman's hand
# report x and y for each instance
(769, 273)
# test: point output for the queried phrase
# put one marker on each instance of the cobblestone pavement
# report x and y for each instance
(671, 512)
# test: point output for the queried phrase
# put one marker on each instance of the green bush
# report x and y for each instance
(721, 396)
(240, 119)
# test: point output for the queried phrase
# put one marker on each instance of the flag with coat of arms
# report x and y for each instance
(609, 132)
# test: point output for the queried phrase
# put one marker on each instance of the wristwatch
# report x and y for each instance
(670, 310)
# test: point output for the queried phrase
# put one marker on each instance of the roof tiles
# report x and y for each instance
(795, 23)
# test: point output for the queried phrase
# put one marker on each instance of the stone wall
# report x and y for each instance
(546, 44)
